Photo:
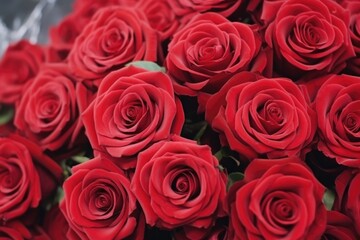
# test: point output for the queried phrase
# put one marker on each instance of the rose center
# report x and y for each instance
(103, 201)
(186, 183)
(206, 51)
(182, 184)
(131, 113)
(351, 122)
(308, 34)
(271, 117)
(211, 51)
(274, 114)
(9, 177)
(113, 38)
(48, 107)
(312, 36)
(282, 209)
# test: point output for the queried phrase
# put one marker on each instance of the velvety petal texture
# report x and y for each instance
(256, 116)
(337, 105)
(187, 7)
(277, 199)
(179, 184)
(160, 16)
(339, 226)
(353, 7)
(348, 195)
(48, 112)
(134, 108)
(19, 65)
(114, 36)
(55, 224)
(20, 187)
(15, 230)
(310, 38)
(205, 52)
(98, 203)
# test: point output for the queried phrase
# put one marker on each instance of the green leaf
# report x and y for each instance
(234, 159)
(151, 66)
(219, 154)
(328, 199)
(201, 132)
(234, 177)
(6, 114)
(66, 169)
(59, 195)
(68, 163)
(225, 152)
(221, 168)
(79, 158)
(222, 153)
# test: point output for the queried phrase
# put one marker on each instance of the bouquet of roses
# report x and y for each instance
(184, 119)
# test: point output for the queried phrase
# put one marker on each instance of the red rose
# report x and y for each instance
(17, 230)
(133, 109)
(354, 8)
(63, 35)
(14, 230)
(223, 7)
(264, 11)
(85, 96)
(277, 199)
(348, 195)
(50, 173)
(337, 105)
(310, 37)
(217, 232)
(47, 113)
(20, 64)
(98, 203)
(19, 180)
(339, 227)
(113, 37)
(178, 184)
(257, 116)
(209, 49)
(160, 17)
(87, 8)
(38, 233)
(55, 224)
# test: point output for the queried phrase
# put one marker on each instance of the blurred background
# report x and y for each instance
(29, 19)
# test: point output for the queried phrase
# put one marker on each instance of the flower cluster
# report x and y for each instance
(180, 119)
